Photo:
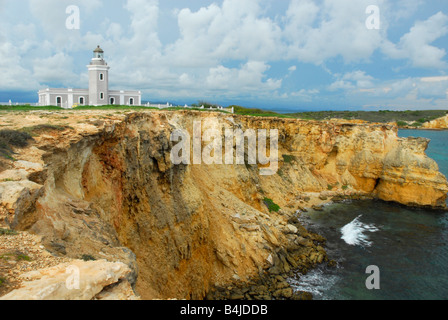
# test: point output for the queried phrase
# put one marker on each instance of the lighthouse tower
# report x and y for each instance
(98, 79)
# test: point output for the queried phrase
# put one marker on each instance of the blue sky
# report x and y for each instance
(285, 55)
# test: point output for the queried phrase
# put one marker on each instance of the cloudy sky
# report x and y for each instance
(283, 54)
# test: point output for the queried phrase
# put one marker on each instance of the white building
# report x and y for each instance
(98, 93)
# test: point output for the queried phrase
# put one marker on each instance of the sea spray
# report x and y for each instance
(354, 233)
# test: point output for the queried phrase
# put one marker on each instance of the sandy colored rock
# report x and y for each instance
(76, 280)
(440, 123)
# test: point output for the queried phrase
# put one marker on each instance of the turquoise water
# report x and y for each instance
(409, 246)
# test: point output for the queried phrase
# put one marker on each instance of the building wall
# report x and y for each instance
(68, 97)
(124, 97)
(98, 82)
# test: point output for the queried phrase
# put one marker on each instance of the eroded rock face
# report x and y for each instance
(440, 123)
(110, 190)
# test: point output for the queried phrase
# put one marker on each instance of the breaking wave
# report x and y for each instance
(354, 233)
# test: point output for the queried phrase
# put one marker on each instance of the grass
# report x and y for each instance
(7, 232)
(18, 255)
(35, 130)
(271, 205)
(23, 257)
(29, 108)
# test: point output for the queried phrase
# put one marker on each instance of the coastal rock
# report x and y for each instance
(77, 280)
(440, 123)
(109, 190)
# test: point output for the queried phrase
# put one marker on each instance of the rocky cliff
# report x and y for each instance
(104, 186)
(440, 123)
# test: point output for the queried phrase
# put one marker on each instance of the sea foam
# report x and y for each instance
(354, 233)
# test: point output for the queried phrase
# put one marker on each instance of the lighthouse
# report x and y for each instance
(98, 93)
(98, 79)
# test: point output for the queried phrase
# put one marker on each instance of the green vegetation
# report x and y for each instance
(88, 257)
(257, 112)
(18, 256)
(2, 281)
(7, 232)
(23, 257)
(271, 205)
(29, 108)
(344, 187)
(382, 116)
(402, 118)
(12, 138)
(36, 130)
(330, 187)
(289, 158)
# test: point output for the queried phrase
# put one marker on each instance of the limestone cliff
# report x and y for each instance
(440, 123)
(105, 186)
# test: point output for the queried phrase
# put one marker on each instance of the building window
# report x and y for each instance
(81, 101)
(131, 101)
(101, 76)
(112, 101)
(101, 96)
(59, 101)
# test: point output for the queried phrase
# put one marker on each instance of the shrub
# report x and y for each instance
(344, 187)
(7, 232)
(23, 257)
(12, 138)
(271, 205)
(88, 257)
(330, 187)
(288, 158)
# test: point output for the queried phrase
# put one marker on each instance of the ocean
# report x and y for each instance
(409, 246)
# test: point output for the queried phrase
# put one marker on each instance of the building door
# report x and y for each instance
(131, 101)
(59, 101)
(112, 101)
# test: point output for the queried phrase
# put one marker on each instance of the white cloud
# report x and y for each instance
(416, 44)
(337, 28)
(234, 30)
(356, 80)
(56, 69)
(13, 75)
(248, 78)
